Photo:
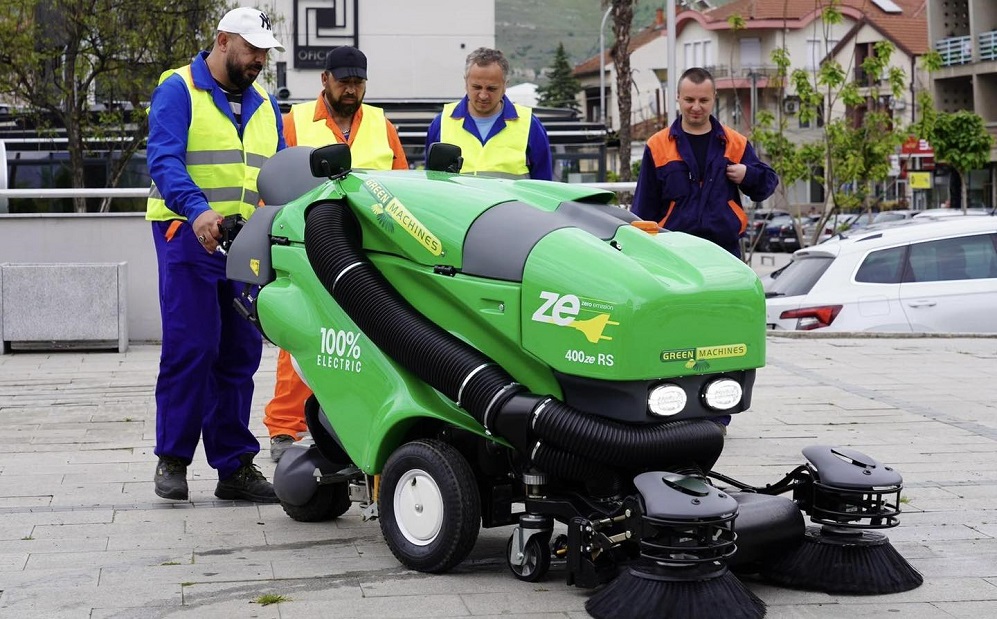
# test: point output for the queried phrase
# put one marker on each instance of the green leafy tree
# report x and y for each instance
(855, 147)
(562, 86)
(623, 16)
(792, 161)
(88, 67)
(961, 140)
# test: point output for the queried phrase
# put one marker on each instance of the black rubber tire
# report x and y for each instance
(537, 559)
(329, 502)
(450, 490)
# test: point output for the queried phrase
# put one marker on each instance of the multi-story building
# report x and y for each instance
(964, 32)
(738, 53)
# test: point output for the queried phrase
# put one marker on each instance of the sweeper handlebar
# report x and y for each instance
(229, 227)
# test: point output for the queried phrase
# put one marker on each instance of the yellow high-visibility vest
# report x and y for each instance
(222, 165)
(370, 148)
(504, 153)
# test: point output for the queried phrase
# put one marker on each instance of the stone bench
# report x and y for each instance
(63, 305)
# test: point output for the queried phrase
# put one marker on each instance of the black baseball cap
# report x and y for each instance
(346, 61)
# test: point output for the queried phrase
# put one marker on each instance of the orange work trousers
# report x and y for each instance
(285, 414)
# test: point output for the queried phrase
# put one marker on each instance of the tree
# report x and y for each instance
(961, 140)
(855, 146)
(562, 86)
(88, 67)
(623, 16)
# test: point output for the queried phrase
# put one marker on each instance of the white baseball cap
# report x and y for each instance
(252, 25)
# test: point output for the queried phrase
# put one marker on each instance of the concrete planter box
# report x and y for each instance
(63, 305)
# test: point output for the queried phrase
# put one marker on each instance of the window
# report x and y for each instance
(817, 50)
(698, 54)
(751, 53)
(968, 257)
(882, 267)
(818, 121)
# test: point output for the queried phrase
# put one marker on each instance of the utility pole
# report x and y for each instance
(671, 95)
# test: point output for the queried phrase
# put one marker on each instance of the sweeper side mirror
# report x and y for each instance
(332, 161)
(443, 157)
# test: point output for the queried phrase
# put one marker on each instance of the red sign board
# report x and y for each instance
(916, 148)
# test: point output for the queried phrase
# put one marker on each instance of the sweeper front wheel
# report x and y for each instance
(428, 506)
(329, 502)
(536, 558)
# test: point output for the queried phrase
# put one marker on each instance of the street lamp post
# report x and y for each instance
(602, 65)
(670, 92)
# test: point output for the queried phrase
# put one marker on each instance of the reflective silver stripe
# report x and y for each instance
(255, 160)
(341, 274)
(214, 157)
(467, 379)
(498, 175)
(223, 194)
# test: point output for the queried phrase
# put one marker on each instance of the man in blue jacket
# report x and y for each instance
(496, 136)
(693, 172)
(211, 127)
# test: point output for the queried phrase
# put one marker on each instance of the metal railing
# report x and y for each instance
(143, 192)
(955, 50)
(988, 45)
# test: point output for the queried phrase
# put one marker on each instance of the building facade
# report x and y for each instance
(964, 33)
(736, 41)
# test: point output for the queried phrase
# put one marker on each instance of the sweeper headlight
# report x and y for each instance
(666, 400)
(722, 394)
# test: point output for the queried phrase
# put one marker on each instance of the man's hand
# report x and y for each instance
(736, 172)
(206, 229)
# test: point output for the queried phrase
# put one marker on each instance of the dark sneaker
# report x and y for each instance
(171, 479)
(278, 445)
(246, 484)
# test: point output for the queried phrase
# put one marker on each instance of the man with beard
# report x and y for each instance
(496, 137)
(338, 115)
(211, 127)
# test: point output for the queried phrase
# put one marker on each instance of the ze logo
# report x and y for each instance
(265, 21)
(558, 309)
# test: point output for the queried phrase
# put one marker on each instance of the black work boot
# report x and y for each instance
(246, 484)
(171, 478)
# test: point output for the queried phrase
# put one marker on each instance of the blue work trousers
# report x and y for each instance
(209, 355)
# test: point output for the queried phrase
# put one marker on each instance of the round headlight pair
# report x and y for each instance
(670, 399)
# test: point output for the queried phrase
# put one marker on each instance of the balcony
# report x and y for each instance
(864, 79)
(988, 46)
(955, 50)
(728, 77)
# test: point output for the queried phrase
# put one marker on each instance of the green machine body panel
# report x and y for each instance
(546, 279)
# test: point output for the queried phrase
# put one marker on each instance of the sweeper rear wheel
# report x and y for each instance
(428, 506)
(536, 558)
(329, 502)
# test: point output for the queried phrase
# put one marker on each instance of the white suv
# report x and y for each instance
(928, 275)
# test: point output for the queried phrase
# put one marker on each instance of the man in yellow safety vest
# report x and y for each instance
(495, 136)
(338, 115)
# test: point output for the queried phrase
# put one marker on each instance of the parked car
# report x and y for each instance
(839, 222)
(894, 215)
(770, 233)
(789, 237)
(759, 218)
(952, 212)
(928, 275)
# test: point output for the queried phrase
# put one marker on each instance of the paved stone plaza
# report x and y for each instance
(83, 535)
